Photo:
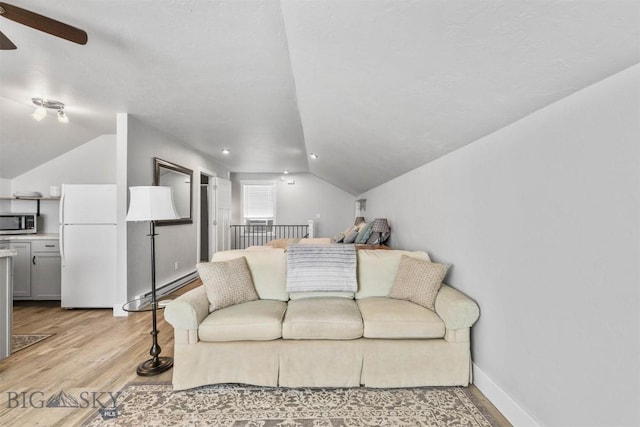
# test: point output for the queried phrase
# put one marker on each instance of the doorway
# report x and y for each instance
(214, 215)
(205, 198)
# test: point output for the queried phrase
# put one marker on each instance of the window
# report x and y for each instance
(259, 205)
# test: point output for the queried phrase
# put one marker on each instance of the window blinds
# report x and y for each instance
(259, 201)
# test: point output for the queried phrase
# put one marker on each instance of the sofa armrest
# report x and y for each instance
(457, 310)
(186, 312)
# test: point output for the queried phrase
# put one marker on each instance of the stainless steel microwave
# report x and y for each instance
(18, 223)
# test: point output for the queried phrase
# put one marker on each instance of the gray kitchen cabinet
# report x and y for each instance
(36, 269)
(21, 269)
(45, 270)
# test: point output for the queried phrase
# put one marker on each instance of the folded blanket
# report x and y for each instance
(321, 268)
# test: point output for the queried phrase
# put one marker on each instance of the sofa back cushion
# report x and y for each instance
(268, 269)
(377, 270)
(302, 295)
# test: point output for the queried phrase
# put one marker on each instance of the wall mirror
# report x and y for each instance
(180, 179)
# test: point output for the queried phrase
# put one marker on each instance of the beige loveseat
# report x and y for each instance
(319, 339)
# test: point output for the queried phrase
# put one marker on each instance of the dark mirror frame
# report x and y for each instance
(159, 164)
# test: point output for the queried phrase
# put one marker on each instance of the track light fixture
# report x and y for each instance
(39, 114)
(62, 117)
(43, 104)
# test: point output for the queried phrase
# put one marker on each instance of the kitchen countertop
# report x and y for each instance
(7, 253)
(43, 236)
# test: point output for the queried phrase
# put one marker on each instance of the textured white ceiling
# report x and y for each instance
(384, 89)
(376, 88)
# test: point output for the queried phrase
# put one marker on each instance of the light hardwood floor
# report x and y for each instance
(91, 351)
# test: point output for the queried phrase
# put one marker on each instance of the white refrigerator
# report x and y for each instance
(88, 217)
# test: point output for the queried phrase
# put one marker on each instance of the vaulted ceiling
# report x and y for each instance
(375, 88)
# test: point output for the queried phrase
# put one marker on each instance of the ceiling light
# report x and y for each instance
(62, 117)
(39, 114)
(226, 151)
(314, 156)
(44, 104)
(286, 172)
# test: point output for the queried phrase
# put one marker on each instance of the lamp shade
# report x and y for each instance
(151, 203)
(380, 225)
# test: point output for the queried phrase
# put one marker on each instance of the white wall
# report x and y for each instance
(5, 187)
(5, 191)
(307, 199)
(175, 243)
(91, 163)
(541, 223)
(122, 143)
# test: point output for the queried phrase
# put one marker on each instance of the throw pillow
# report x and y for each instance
(378, 238)
(350, 237)
(418, 281)
(350, 229)
(227, 283)
(337, 238)
(364, 234)
(374, 239)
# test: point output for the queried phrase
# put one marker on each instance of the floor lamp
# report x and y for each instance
(152, 203)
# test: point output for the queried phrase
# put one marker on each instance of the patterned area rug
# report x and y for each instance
(238, 405)
(20, 342)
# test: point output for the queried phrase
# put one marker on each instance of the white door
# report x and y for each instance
(223, 214)
(211, 199)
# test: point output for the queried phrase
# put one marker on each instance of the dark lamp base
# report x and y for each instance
(148, 368)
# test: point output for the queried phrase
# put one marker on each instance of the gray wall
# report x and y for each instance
(175, 243)
(298, 203)
(541, 223)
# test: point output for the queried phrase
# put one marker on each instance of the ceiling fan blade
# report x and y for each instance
(42, 23)
(5, 43)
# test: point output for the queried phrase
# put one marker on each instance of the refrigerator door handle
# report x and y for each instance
(62, 209)
(62, 245)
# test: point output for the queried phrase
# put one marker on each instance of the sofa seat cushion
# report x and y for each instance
(322, 318)
(259, 320)
(399, 319)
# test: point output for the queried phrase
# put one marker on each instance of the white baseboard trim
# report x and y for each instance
(176, 284)
(118, 311)
(163, 290)
(501, 400)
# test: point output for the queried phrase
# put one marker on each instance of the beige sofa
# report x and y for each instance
(319, 339)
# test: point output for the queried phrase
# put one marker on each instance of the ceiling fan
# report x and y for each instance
(39, 22)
